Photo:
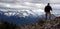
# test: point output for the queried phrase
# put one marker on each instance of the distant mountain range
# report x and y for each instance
(16, 19)
(52, 16)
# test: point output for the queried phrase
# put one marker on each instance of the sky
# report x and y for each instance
(31, 6)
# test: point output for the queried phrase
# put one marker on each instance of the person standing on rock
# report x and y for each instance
(47, 10)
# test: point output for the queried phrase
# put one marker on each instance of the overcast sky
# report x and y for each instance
(26, 3)
(29, 4)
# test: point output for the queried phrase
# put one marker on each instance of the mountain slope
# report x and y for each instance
(16, 19)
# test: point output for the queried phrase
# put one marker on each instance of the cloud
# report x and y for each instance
(7, 1)
(32, 1)
(28, 4)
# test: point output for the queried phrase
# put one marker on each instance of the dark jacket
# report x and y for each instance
(48, 8)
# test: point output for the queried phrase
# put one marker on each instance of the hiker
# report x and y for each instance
(47, 10)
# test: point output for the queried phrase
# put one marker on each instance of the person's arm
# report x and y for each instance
(50, 8)
(45, 8)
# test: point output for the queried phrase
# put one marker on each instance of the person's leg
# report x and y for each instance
(46, 15)
(49, 15)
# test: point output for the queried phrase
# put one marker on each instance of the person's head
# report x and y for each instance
(48, 4)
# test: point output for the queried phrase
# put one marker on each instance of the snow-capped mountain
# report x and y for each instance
(20, 19)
